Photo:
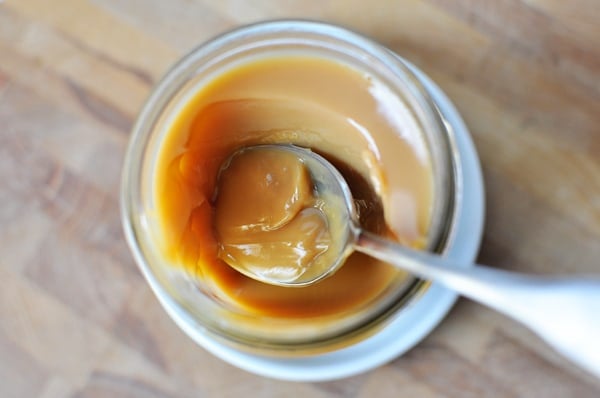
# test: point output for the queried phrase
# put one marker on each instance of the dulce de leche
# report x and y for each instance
(281, 227)
(345, 115)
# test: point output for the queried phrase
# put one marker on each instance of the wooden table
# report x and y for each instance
(78, 320)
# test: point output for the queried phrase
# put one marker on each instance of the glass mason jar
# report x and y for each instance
(189, 303)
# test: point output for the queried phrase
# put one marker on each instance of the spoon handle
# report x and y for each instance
(564, 311)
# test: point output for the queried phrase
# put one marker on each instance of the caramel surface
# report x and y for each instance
(345, 115)
(268, 218)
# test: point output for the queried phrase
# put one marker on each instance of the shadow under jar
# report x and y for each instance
(316, 86)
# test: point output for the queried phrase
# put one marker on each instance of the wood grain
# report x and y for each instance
(76, 317)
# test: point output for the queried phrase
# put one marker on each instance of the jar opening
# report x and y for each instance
(193, 74)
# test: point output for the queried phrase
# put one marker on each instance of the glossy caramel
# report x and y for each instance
(269, 220)
(345, 115)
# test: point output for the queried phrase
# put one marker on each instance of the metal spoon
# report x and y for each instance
(564, 311)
